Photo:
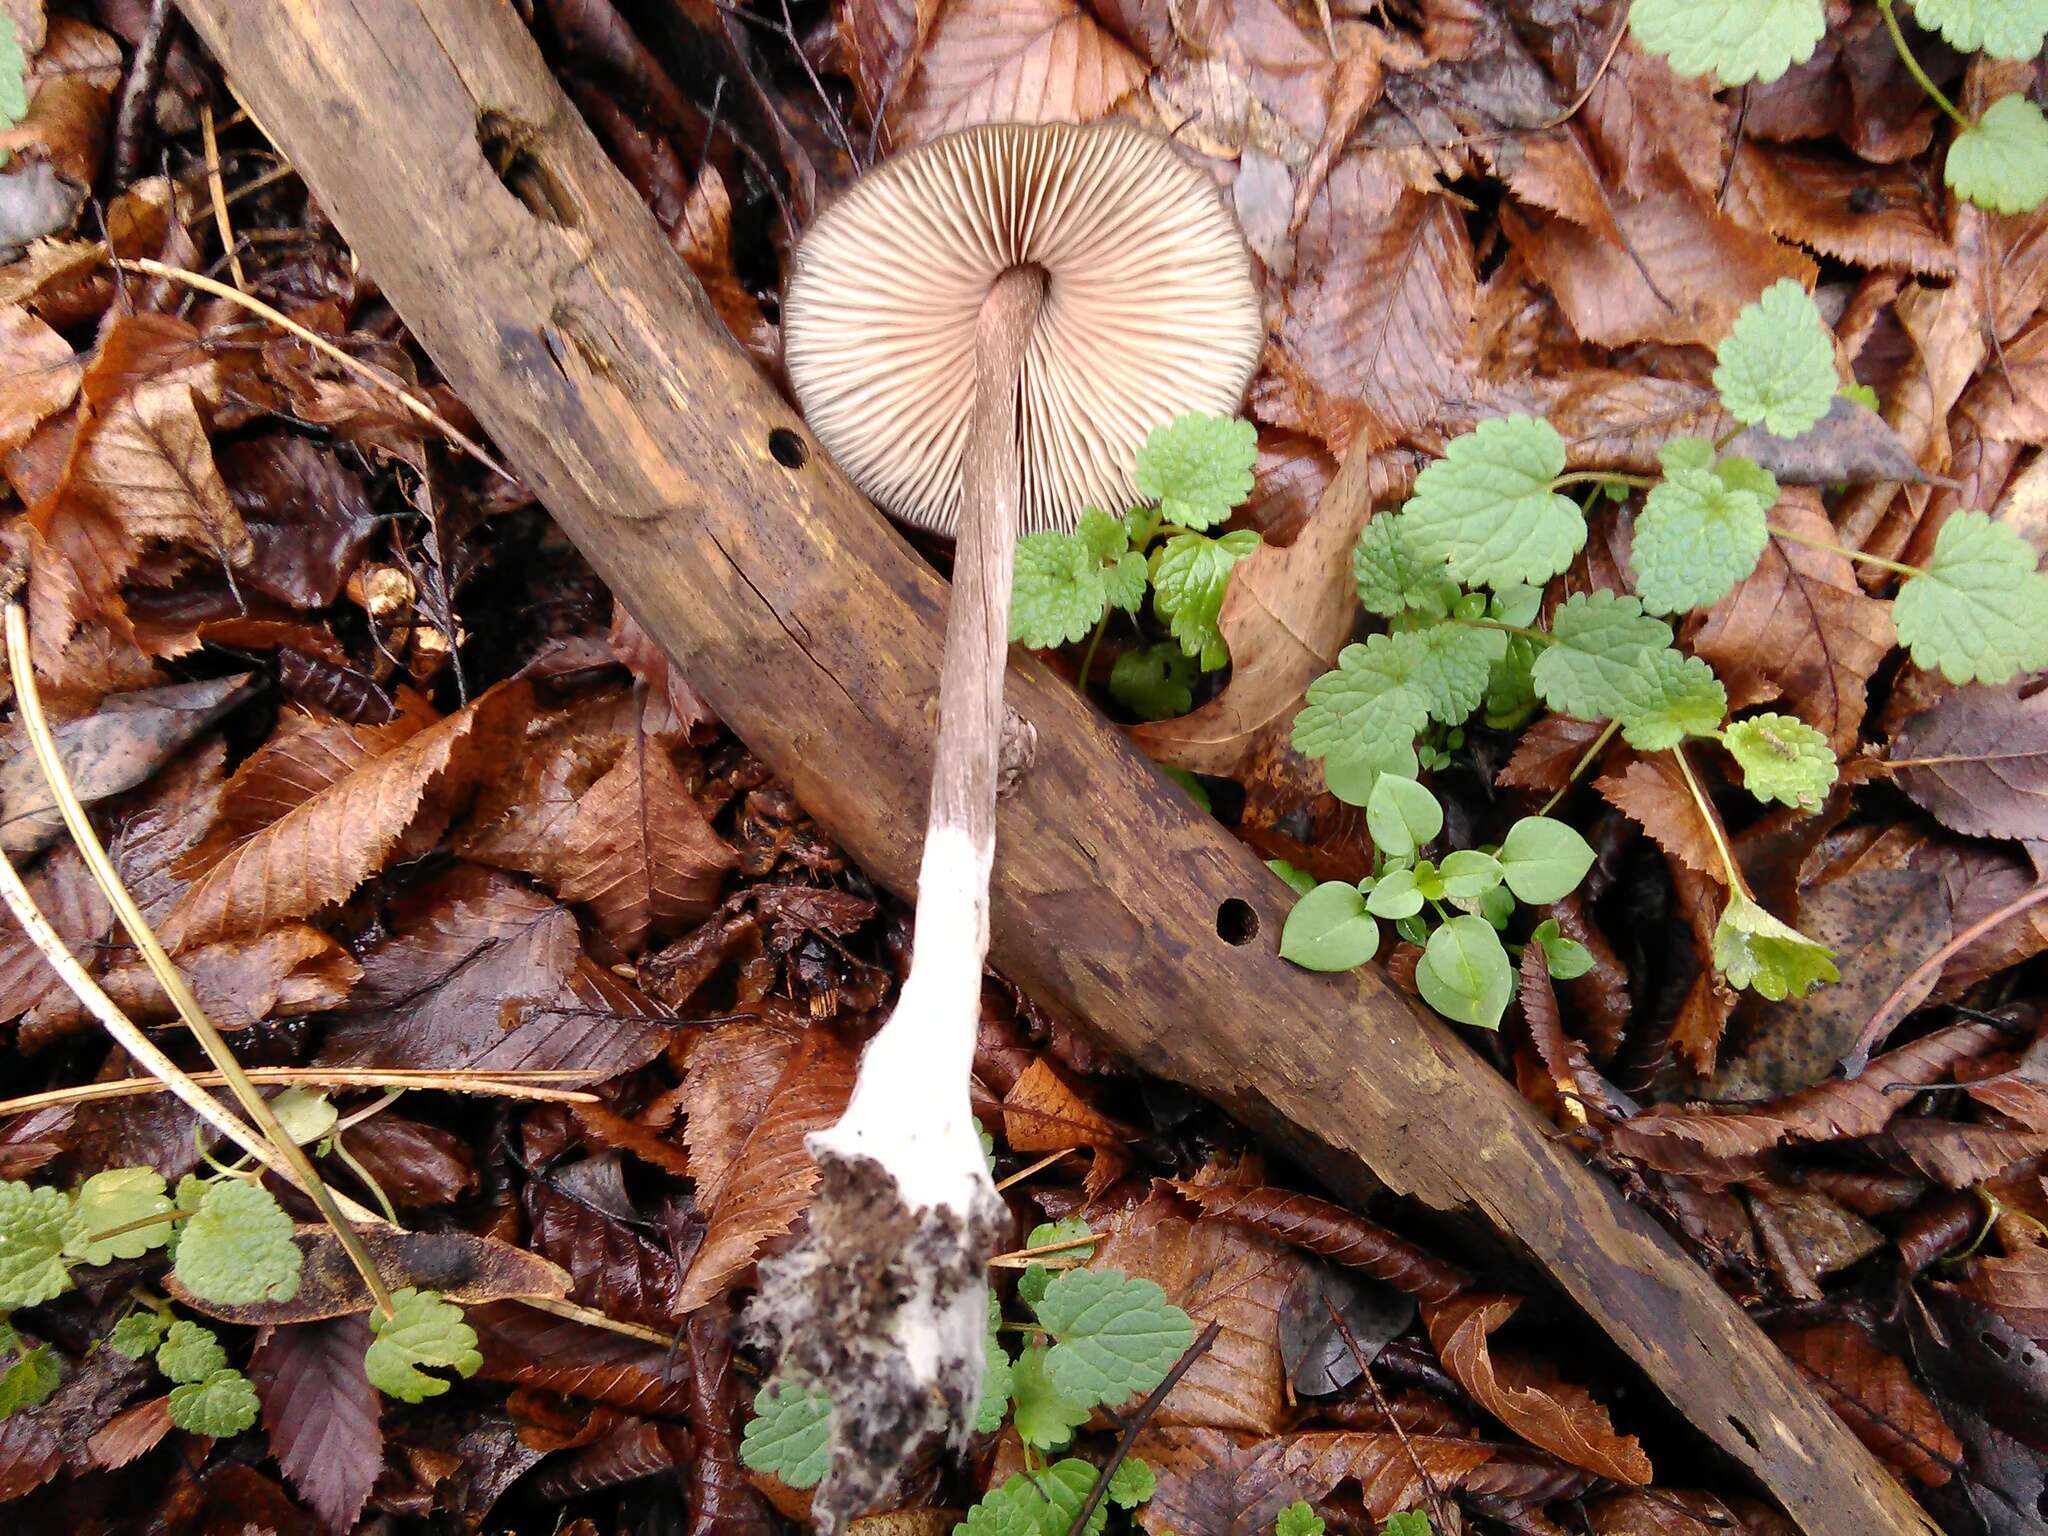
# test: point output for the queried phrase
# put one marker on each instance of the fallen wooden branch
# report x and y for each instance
(588, 351)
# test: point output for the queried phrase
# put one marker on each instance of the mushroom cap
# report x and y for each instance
(1150, 312)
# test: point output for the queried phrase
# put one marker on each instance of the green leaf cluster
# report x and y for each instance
(423, 1329)
(1193, 471)
(28, 1373)
(1465, 973)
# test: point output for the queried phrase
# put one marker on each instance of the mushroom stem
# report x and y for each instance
(883, 1302)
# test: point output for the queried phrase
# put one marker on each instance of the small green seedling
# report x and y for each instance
(1998, 161)
(1099, 1339)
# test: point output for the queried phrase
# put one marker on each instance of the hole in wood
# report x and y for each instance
(1236, 922)
(1742, 1429)
(788, 449)
(510, 147)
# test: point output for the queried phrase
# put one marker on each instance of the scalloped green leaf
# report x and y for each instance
(1978, 610)
(190, 1352)
(423, 1330)
(1394, 577)
(1486, 509)
(1776, 365)
(2001, 161)
(788, 1434)
(221, 1405)
(237, 1247)
(1782, 759)
(1670, 697)
(1598, 643)
(113, 1199)
(37, 1224)
(1117, 1335)
(1190, 574)
(1198, 468)
(1735, 40)
(1753, 949)
(2005, 29)
(1702, 527)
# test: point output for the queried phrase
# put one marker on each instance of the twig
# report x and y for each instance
(134, 112)
(219, 195)
(1044, 1162)
(590, 1317)
(28, 700)
(1022, 1256)
(1430, 1490)
(1137, 1422)
(326, 348)
(1894, 1004)
(506, 1085)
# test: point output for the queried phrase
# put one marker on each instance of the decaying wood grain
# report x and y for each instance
(588, 351)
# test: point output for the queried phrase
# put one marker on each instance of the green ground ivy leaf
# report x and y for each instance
(190, 1352)
(1402, 816)
(1036, 1277)
(1351, 774)
(1776, 365)
(1117, 1335)
(221, 1405)
(237, 1247)
(1543, 860)
(1190, 574)
(1736, 40)
(1564, 958)
(1409, 1522)
(1395, 577)
(1155, 682)
(13, 77)
(1702, 527)
(786, 1436)
(1598, 642)
(1330, 929)
(1486, 509)
(32, 1376)
(1371, 697)
(2001, 161)
(1132, 1483)
(1670, 698)
(2005, 29)
(1782, 759)
(1464, 973)
(998, 1376)
(137, 1334)
(1979, 609)
(1046, 1417)
(1037, 1503)
(423, 1329)
(37, 1223)
(1298, 1519)
(1198, 468)
(1774, 960)
(113, 1199)
(1065, 582)
(1453, 664)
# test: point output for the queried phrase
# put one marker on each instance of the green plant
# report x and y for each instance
(1491, 514)
(1299, 1519)
(1465, 973)
(229, 1244)
(1998, 161)
(1194, 471)
(1098, 1338)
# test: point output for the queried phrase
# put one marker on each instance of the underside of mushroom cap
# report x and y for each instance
(1150, 312)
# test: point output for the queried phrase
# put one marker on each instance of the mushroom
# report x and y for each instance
(981, 332)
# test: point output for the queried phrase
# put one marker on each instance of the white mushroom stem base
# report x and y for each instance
(883, 1302)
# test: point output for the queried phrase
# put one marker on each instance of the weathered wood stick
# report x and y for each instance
(590, 353)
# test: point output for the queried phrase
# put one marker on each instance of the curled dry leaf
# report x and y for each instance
(130, 1434)
(1860, 214)
(462, 1266)
(309, 517)
(475, 945)
(1042, 1113)
(1572, 1074)
(2013, 1283)
(1332, 1232)
(1840, 1109)
(721, 1500)
(1032, 61)
(320, 1413)
(1964, 1156)
(1877, 1398)
(765, 1183)
(1561, 1418)
(321, 807)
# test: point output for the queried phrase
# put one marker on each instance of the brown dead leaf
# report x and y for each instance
(765, 1183)
(1801, 621)
(1331, 1232)
(703, 238)
(2014, 1283)
(2009, 403)
(1877, 1398)
(309, 518)
(482, 971)
(534, 1349)
(1979, 761)
(130, 1434)
(638, 852)
(38, 375)
(1547, 752)
(732, 1074)
(675, 708)
(1561, 1418)
(320, 808)
(1806, 1235)
(1651, 791)
(1852, 211)
(1042, 1113)
(460, 1265)
(1000, 61)
(1962, 1156)
(881, 40)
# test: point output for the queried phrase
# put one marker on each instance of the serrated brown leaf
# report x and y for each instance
(1557, 1416)
(881, 39)
(576, 1216)
(731, 1075)
(1000, 61)
(594, 1364)
(463, 1266)
(1215, 1271)
(1577, 1082)
(481, 971)
(2013, 1283)
(1875, 1395)
(1800, 620)
(1979, 761)
(130, 1434)
(320, 1413)
(1652, 793)
(721, 1500)
(1043, 1113)
(1332, 1232)
(625, 1452)
(413, 1162)
(1377, 320)
(1839, 1109)
(639, 852)
(309, 518)
(36, 1443)
(765, 1183)
(1963, 1156)
(1547, 752)
(1861, 214)
(675, 708)
(319, 809)
(64, 889)
(38, 375)
(32, 1140)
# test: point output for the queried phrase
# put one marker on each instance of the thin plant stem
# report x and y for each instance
(1891, 25)
(1602, 477)
(37, 727)
(1044, 1162)
(1018, 1258)
(1849, 554)
(1585, 761)
(590, 1317)
(325, 348)
(1137, 1421)
(509, 1085)
(1735, 880)
(1523, 630)
(220, 196)
(1088, 658)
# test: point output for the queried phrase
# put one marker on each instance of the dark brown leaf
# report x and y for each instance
(536, 1350)
(1333, 1232)
(721, 1500)
(309, 518)
(1979, 761)
(611, 1267)
(1877, 1398)
(321, 1413)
